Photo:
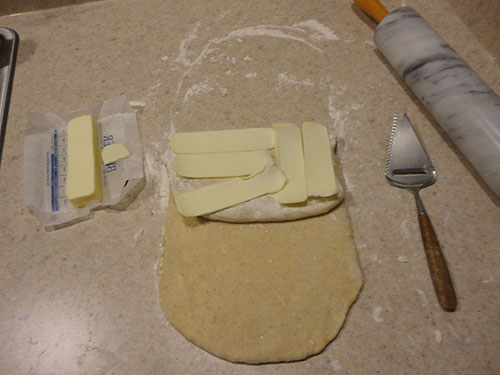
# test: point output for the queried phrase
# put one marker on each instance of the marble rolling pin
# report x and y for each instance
(460, 101)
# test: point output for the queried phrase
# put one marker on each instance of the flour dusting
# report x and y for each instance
(335, 365)
(438, 335)
(183, 57)
(156, 173)
(338, 116)
(136, 103)
(322, 32)
(423, 298)
(285, 79)
(282, 32)
(404, 228)
(402, 259)
(376, 314)
(196, 89)
(186, 61)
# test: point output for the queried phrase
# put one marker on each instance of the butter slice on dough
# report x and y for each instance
(224, 164)
(229, 193)
(291, 161)
(222, 141)
(320, 175)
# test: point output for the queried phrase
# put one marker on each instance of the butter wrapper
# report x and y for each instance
(45, 161)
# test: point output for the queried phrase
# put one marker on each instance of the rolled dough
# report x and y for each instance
(259, 293)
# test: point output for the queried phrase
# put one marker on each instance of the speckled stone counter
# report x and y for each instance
(84, 299)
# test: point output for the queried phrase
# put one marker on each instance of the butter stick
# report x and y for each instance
(83, 178)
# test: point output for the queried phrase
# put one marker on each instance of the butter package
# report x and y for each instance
(46, 159)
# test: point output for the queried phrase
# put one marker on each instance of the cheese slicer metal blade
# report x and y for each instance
(409, 167)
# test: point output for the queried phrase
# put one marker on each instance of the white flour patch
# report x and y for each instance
(164, 187)
(404, 229)
(438, 336)
(156, 173)
(137, 236)
(247, 58)
(357, 106)
(338, 116)
(196, 89)
(184, 54)
(321, 32)
(335, 365)
(423, 298)
(285, 79)
(136, 103)
(402, 259)
(151, 172)
(369, 43)
(283, 32)
(251, 75)
(376, 314)
(152, 91)
(349, 38)
(348, 184)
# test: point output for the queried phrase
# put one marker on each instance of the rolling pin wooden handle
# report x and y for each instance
(373, 8)
(437, 265)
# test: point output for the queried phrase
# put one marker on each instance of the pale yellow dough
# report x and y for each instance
(259, 293)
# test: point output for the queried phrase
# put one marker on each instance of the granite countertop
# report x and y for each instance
(84, 299)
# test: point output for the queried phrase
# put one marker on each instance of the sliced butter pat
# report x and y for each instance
(226, 164)
(223, 141)
(114, 152)
(291, 161)
(320, 175)
(83, 178)
(229, 193)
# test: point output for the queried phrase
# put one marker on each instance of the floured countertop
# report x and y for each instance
(84, 299)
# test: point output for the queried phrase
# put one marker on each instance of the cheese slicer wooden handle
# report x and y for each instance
(373, 8)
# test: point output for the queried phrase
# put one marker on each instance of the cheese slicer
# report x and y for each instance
(409, 167)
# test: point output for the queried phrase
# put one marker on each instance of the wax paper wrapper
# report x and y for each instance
(45, 161)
